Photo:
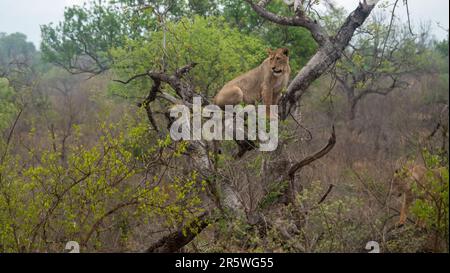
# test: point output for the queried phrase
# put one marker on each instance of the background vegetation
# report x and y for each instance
(82, 158)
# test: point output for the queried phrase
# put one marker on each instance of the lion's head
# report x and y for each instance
(278, 61)
(398, 181)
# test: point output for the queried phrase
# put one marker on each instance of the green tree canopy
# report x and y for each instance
(17, 58)
(7, 106)
(221, 52)
(81, 43)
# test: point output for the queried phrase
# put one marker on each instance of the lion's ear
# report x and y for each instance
(286, 51)
(270, 51)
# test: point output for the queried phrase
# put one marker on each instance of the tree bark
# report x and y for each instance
(330, 51)
(176, 240)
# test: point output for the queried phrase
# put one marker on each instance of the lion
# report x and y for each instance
(406, 180)
(264, 82)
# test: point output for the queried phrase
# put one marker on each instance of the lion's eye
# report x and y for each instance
(278, 58)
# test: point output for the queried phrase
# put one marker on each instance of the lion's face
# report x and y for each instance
(278, 61)
(399, 181)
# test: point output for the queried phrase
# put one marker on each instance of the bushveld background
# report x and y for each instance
(85, 154)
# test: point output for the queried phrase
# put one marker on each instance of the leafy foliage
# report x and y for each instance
(18, 59)
(47, 203)
(82, 41)
(7, 105)
(221, 52)
(431, 208)
(81, 165)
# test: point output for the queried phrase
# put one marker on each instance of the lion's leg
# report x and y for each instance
(403, 212)
(267, 96)
(232, 95)
(407, 200)
(276, 99)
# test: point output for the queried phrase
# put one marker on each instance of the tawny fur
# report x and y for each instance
(403, 187)
(263, 83)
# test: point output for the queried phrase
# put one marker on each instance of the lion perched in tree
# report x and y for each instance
(264, 82)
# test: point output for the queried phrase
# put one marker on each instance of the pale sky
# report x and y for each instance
(27, 15)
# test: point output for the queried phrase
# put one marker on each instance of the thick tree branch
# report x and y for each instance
(183, 89)
(328, 54)
(178, 239)
(198, 155)
(353, 21)
(331, 50)
(150, 98)
(318, 33)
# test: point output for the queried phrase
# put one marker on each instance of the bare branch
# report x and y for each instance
(310, 159)
(184, 89)
(185, 69)
(318, 33)
(150, 98)
(405, 2)
(132, 78)
(324, 197)
(382, 91)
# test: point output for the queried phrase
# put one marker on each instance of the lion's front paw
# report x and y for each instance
(400, 224)
(273, 116)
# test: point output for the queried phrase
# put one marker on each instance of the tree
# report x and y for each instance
(7, 104)
(78, 163)
(379, 57)
(47, 201)
(442, 47)
(241, 16)
(221, 53)
(18, 69)
(17, 59)
(330, 50)
(81, 43)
